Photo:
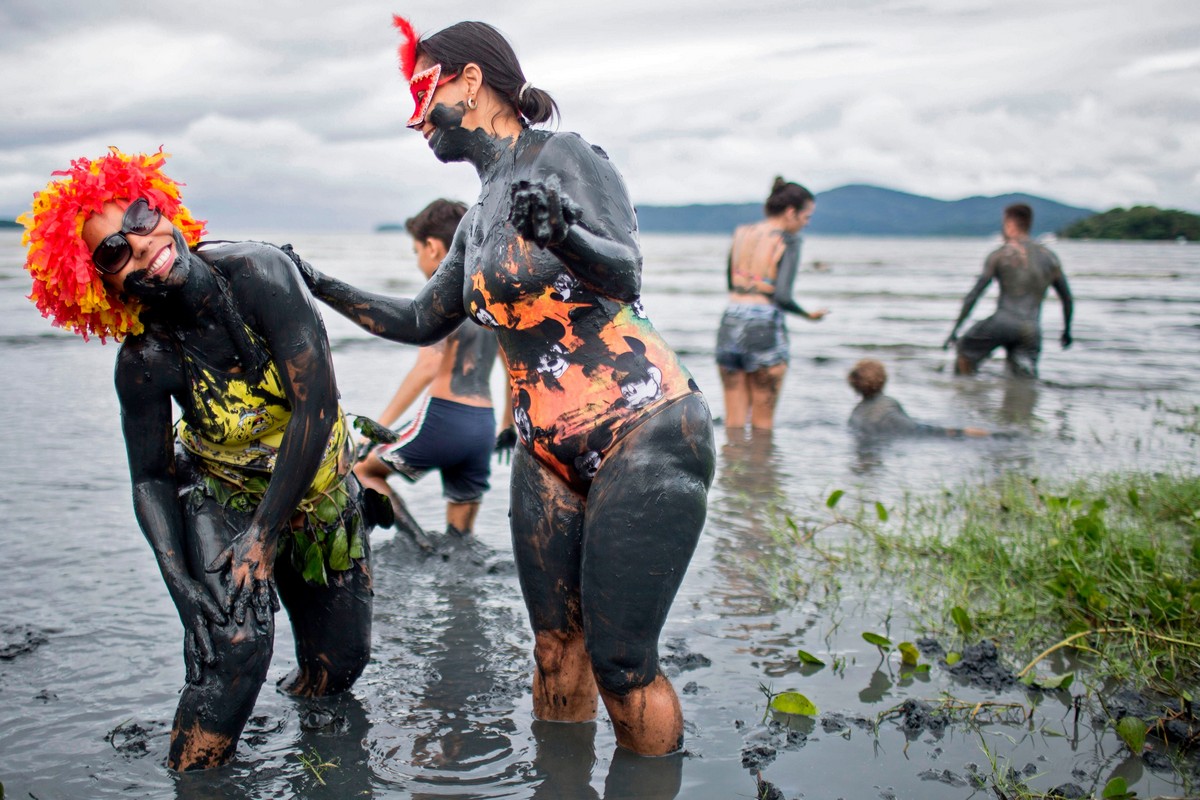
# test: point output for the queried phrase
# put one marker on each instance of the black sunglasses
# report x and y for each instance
(114, 252)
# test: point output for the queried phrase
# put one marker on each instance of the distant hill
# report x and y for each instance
(8, 223)
(871, 211)
(1139, 222)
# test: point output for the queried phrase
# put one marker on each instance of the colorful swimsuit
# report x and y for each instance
(585, 369)
(234, 422)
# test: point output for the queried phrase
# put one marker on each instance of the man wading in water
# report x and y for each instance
(1025, 270)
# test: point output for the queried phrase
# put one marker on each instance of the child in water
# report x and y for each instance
(878, 415)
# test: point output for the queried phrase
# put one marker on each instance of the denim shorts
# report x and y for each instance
(752, 337)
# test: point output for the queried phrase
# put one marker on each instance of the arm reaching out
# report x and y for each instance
(1068, 306)
(989, 272)
(427, 318)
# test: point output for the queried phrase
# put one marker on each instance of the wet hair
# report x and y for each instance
(867, 378)
(438, 220)
(785, 195)
(1021, 214)
(477, 42)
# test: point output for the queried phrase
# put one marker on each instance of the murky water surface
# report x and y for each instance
(90, 657)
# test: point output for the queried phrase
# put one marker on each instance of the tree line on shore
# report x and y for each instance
(1138, 222)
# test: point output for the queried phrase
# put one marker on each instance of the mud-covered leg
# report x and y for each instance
(547, 525)
(212, 713)
(645, 512)
(372, 473)
(332, 625)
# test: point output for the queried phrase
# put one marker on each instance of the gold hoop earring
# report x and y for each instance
(472, 103)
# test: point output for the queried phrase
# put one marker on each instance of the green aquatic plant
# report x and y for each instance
(787, 702)
(317, 765)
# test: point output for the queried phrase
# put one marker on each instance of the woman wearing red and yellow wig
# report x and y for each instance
(251, 491)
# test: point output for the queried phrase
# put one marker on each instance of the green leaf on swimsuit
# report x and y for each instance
(339, 556)
(314, 565)
(327, 511)
(356, 540)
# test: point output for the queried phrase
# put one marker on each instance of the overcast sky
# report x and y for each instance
(285, 115)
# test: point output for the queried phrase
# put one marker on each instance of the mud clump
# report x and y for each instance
(981, 667)
(680, 658)
(19, 640)
(764, 745)
(917, 716)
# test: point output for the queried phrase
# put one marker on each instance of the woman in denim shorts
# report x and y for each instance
(752, 342)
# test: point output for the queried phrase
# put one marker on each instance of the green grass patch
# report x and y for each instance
(1108, 566)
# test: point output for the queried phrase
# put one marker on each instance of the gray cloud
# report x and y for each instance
(290, 115)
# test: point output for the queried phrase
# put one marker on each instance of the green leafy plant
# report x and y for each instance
(787, 702)
(1133, 733)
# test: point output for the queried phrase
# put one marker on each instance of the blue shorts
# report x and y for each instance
(752, 337)
(453, 438)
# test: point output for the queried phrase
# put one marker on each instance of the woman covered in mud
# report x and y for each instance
(615, 453)
(752, 341)
(251, 491)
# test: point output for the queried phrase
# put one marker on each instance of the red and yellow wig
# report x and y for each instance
(67, 289)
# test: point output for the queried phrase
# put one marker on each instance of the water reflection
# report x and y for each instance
(565, 755)
(749, 504)
(464, 730)
(1020, 401)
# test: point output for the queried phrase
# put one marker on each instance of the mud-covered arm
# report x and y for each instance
(575, 204)
(427, 318)
(1063, 290)
(272, 299)
(981, 285)
(145, 374)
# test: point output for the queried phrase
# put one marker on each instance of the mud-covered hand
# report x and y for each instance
(506, 440)
(541, 212)
(250, 559)
(197, 609)
(1066, 339)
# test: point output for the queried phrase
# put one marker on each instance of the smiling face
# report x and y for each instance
(152, 256)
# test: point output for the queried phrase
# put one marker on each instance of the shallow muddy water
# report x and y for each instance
(90, 650)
